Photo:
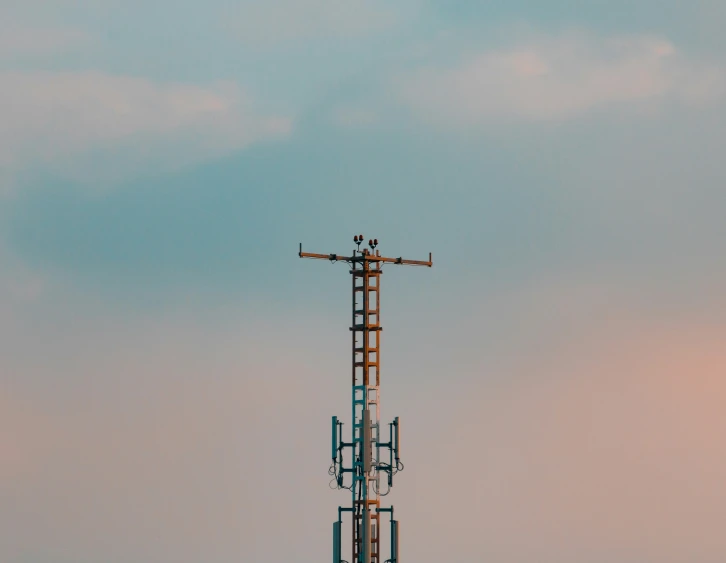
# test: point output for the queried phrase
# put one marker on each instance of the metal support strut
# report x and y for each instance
(364, 449)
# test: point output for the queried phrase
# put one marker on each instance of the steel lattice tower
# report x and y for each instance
(366, 464)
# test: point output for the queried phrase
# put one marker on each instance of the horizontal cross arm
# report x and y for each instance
(366, 258)
(331, 257)
(403, 261)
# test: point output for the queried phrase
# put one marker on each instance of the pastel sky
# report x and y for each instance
(169, 366)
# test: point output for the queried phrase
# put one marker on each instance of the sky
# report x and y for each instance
(169, 365)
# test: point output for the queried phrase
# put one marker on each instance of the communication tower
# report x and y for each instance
(365, 463)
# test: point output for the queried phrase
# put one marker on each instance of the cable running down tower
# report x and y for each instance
(366, 465)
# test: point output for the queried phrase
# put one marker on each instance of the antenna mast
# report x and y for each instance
(365, 463)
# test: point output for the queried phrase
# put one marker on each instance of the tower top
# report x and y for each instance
(365, 255)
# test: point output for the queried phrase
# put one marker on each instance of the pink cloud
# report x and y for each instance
(600, 445)
(559, 78)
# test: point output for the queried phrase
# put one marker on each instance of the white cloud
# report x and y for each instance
(274, 21)
(559, 77)
(51, 117)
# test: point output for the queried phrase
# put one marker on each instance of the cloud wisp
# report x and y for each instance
(559, 78)
(49, 117)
